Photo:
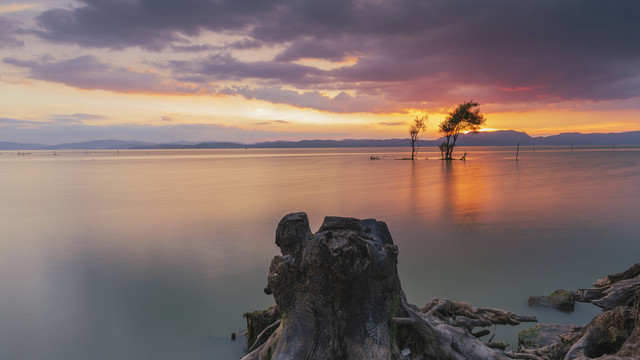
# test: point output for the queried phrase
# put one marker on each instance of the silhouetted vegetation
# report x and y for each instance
(418, 125)
(465, 117)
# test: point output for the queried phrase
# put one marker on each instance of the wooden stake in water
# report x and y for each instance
(517, 150)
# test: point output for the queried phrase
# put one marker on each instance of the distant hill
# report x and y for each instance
(99, 144)
(346, 143)
(203, 145)
(494, 138)
(510, 137)
(6, 145)
(625, 138)
(485, 138)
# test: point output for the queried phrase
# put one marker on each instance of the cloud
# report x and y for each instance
(410, 54)
(8, 34)
(313, 48)
(272, 122)
(87, 72)
(226, 67)
(150, 24)
(13, 122)
(15, 7)
(341, 103)
(77, 118)
(392, 123)
(243, 44)
(192, 48)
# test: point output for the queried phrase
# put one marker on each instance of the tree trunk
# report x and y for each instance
(413, 147)
(339, 296)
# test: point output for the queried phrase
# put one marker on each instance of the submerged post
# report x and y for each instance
(517, 150)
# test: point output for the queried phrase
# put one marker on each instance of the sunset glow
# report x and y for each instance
(75, 71)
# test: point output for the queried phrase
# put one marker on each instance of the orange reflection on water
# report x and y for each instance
(464, 192)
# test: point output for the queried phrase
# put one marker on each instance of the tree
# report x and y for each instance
(465, 117)
(416, 127)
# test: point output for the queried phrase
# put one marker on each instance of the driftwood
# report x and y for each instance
(338, 296)
(613, 334)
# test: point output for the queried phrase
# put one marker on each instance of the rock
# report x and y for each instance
(559, 299)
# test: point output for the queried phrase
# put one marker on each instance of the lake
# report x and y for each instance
(157, 254)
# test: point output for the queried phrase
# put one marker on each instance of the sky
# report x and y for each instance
(255, 70)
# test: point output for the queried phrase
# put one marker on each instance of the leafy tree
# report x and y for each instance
(418, 125)
(465, 117)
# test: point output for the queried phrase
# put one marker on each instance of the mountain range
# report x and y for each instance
(485, 138)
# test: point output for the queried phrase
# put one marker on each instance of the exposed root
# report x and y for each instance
(613, 334)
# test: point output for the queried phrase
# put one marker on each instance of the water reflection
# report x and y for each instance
(157, 256)
(464, 191)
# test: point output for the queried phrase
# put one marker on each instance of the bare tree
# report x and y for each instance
(465, 117)
(418, 125)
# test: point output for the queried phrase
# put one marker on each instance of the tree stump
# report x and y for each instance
(339, 296)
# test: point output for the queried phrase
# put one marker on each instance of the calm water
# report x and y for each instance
(156, 255)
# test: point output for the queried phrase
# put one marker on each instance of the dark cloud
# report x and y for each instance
(9, 32)
(272, 122)
(88, 72)
(226, 67)
(410, 53)
(392, 123)
(18, 122)
(341, 103)
(150, 24)
(312, 48)
(243, 44)
(194, 48)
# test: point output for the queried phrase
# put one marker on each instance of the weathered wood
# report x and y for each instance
(611, 291)
(613, 334)
(620, 293)
(339, 296)
(630, 273)
(447, 308)
(497, 345)
(257, 321)
(524, 356)
(403, 321)
(481, 333)
(261, 338)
